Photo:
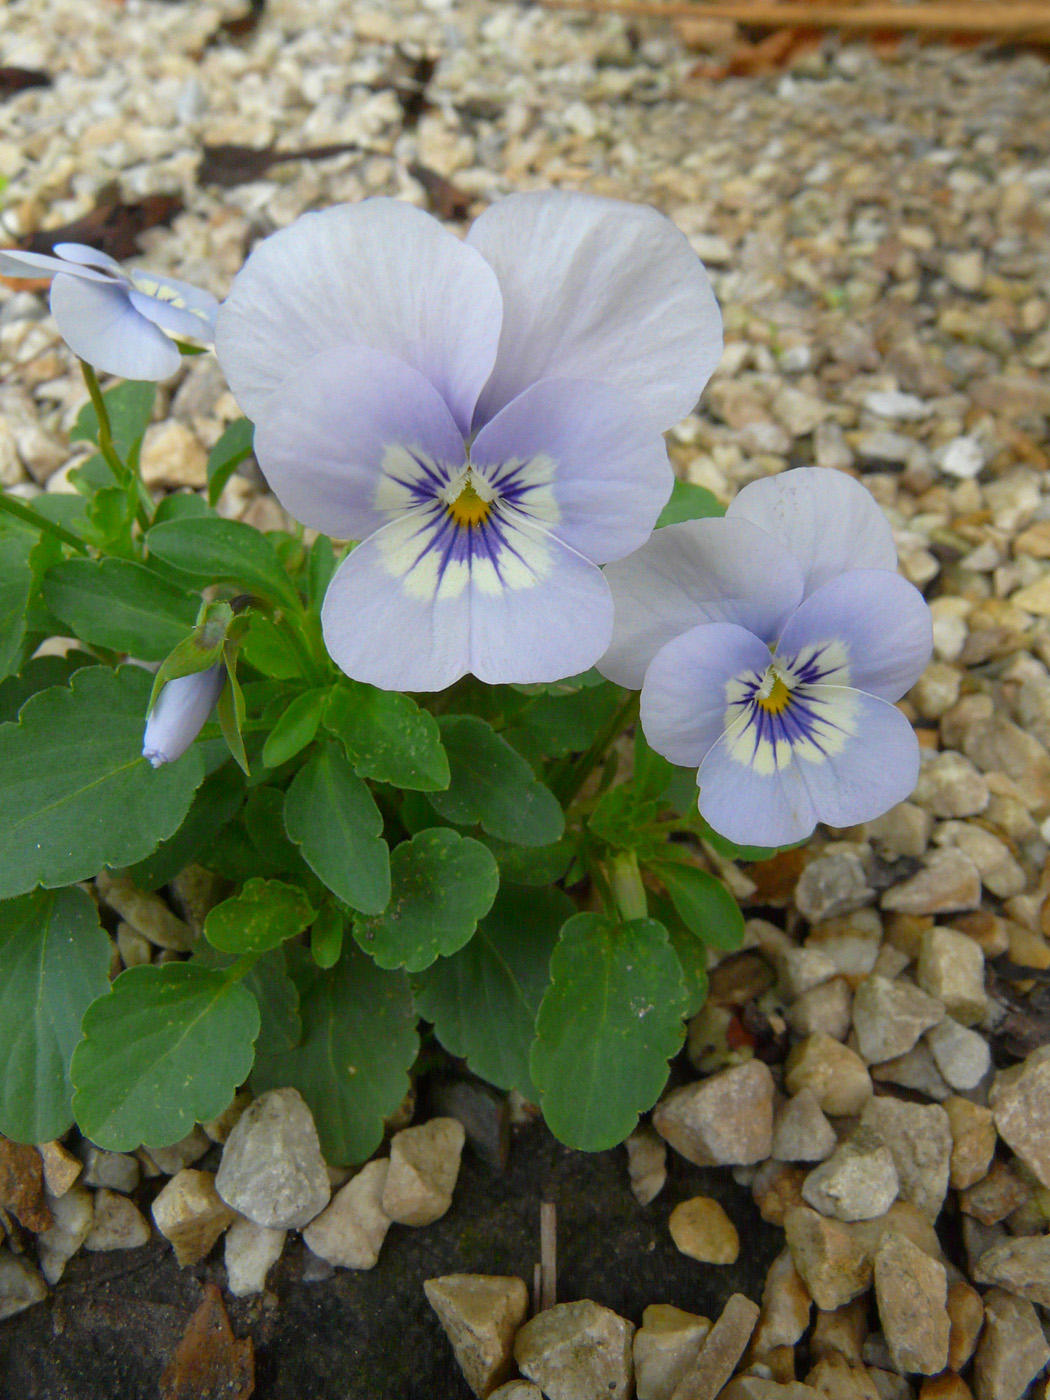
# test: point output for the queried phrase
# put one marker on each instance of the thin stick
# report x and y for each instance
(548, 1254)
(537, 1287)
(942, 16)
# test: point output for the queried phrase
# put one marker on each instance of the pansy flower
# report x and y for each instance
(119, 322)
(180, 713)
(769, 647)
(484, 415)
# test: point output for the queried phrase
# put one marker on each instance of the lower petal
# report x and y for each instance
(100, 325)
(752, 808)
(179, 307)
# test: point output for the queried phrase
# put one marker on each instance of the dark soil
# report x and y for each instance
(112, 1324)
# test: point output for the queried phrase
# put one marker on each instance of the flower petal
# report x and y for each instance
(99, 324)
(684, 698)
(700, 571)
(177, 306)
(583, 460)
(86, 256)
(598, 289)
(177, 718)
(868, 628)
(380, 273)
(345, 430)
(16, 263)
(828, 521)
(751, 808)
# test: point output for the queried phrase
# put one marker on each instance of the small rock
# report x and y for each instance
(20, 1285)
(701, 1229)
(851, 941)
(250, 1252)
(948, 881)
(665, 1346)
(117, 1171)
(963, 457)
(646, 1164)
(898, 407)
(484, 1113)
(1020, 1265)
(800, 969)
(117, 1223)
(786, 1305)
(1012, 1349)
(776, 1188)
(272, 1170)
(801, 1132)
(996, 1195)
(843, 1331)
(61, 1168)
(824, 1010)
(889, 1386)
(575, 1351)
(1020, 1100)
(912, 1289)
(834, 883)
(147, 913)
(946, 1386)
(837, 1075)
(919, 1137)
(168, 1161)
(756, 1388)
(965, 270)
(219, 1129)
(517, 1390)
(481, 1315)
(191, 1214)
(951, 968)
(915, 1070)
(721, 1351)
(72, 1214)
(889, 1016)
(834, 1378)
(424, 1165)
(173, 457)
(997, 745)
(22, 1184)
(902, 831)
(857, 1182)
(351, 1231)
(1001, 875)
(962, 1055)
(726, 1120)
(966, 1315)
(800, 413)
(978, 1239)
(833, 1259)
(973, 1141)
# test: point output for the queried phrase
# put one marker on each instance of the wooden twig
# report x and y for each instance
(548, 1255)
(537, 1288)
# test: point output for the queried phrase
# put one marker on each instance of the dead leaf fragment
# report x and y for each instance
(210, 1363)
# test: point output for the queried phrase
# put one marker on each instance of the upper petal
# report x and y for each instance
(584, 460)
(598, 289)
(828, 521)
(381, 273)
(345, 424)
(699, 571)
(86, 256)
(99, 324)
(869, 629)
(14, 262)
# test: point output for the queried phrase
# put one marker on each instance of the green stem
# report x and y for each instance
(567, 777)
(16, 508)
(626, 881)
(123, 473)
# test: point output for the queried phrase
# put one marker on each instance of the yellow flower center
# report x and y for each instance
(773, 695)
(469, 508)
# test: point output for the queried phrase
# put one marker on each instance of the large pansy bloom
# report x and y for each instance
(484, 415)
(121, 322)
(769, 647)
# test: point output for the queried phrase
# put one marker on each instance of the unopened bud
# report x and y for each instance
(179, 714)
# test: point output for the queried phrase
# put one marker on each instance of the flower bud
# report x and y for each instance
(180, 712)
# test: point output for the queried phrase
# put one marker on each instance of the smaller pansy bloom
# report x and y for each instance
(180, 712)
(769, 647)
(121, 322)
(484, 415)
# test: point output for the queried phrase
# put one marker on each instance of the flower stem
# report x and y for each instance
(125, 475)
(566, 778)
(625, 880)
(39, 522)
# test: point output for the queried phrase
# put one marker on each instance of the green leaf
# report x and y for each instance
(233, 448)
(78, 794)
(16, 583)
(319, 570)
(267, 647)
(295, 729)
(703, 903)
(216, 802)
(277, 997)
(441, 884)
(555, 725)
(689, 950)
(532, 865)
(388, 737)
(130, 408)
(213, 550)
(493, 785)
(164, 1049)
(689, 502)
(180, 505)
(202, 649)
(229, 711)
(120, 605)
(263, 818)
(725, 847)
(358, 1044)
(483, 1000)
(621, 816)
(609, 1022)
(332, 817)
(38, 674)
(326, 937)
(264, 915)
(54, 961)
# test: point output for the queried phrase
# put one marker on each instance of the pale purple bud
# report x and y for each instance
(179, 714)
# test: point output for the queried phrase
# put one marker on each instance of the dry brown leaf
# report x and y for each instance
(210, 1363)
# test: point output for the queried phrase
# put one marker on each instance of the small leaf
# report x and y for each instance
(532, 865)
(120, 605)
(295, 728)
(129, 407)
(320, 568)
(54, 961)
(441, 885)
(388, 737)
(217, 801)
(326, 937)
(229, 711)
(621, 816)
(351, 1066)
(690, 951)
(277, 997)
(703, 903)
(233, 448)
(689, 502)
(213, 550)
(40, 673)
(609, 1022)
(332, 817)
(493, 785)
(264, 915)
(483, 1000)
(16, 583)
(78, 794)
(165, 1048)
(556, 725)
(267, 647)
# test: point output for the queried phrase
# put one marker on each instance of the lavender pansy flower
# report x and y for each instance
(180, 712)
(484, 415)
(768, 647)
(120, 322)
